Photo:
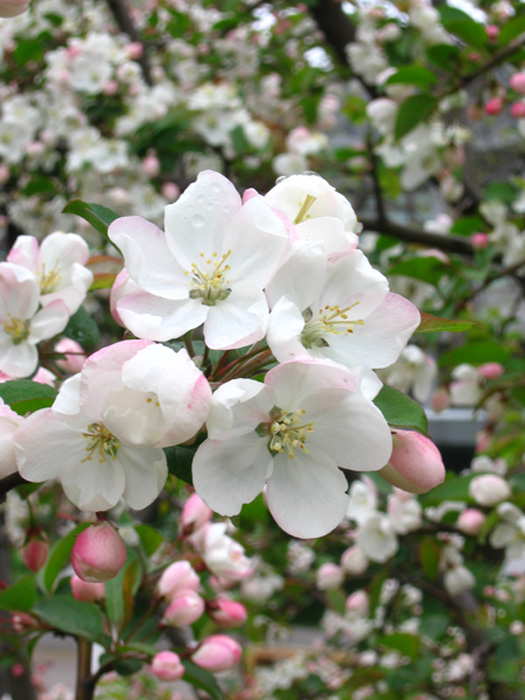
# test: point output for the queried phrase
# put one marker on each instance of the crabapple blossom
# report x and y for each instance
(99, 552)
(363, 499)
(415, 464)
(223, 556)
(210, 267)
(354, 561)
(458, 579)
(329, 576)
(489, 489)
(167, 666)
(509, 534)
(358, 602)
(195, 513)
(292, 433)
(179, 576)
(186, 606)
(217, 653)
(9, 423)
(404, 511)
(376, 538)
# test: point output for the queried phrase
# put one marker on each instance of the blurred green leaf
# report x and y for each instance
(412, 112)
(463, 26)
(20, 596)
(71, 616)
(83, 328)
(444, 56)
(400, 410)
(413, 75)
(511, 29)
(204, 680)
(429, 269)
(431, 324)
(150, 538)
(59, 556)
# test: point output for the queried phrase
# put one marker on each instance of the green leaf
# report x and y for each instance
(475, 353)
(179, 462)
(95, 214)
(453, 489)
(71, 616)
(83, 328)
(429, 556)
(500, 191)
(400, 410)
(444, 56)
(511, 30)
(27, 50)
(429, 269)
(406, 644)
(419, 76)
(25, 396)
(467, 225)
(431, 324)
(463, 26)
(59, 556)
(150, 538)
(239, 140)
(412, 112)
(20, 596)
(204, 680)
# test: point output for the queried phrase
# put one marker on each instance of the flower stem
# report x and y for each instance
(85, 686)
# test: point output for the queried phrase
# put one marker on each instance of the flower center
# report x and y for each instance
(208, 279)
(304, 207)
(286, 431)
(17, 328)
(102, 441)
(331, 319)
(49, 281)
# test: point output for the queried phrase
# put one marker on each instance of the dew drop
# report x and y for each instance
(198, 221)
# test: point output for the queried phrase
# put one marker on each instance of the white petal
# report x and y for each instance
(17, 360)
(49, 321)
(237, 321)
(93, 485)
(283, 334)
(146, 471)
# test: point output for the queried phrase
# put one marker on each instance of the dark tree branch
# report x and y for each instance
(10, 482)
(120, 12)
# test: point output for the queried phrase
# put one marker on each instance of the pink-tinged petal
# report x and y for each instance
(229, 473)
(283, 334)
(147, 257)
(237, 407)
(25, 252)
(102, 373)
(353, 432)
(237, 321)
(9, 423)
(146, 472)
(67, 403)
(62, 251)
(74, 289)
(151, 317)
(379, 341)
(330, 232)
(43, 445)
(49, 321)
(93, 485)
(300, 278)
(196, 222)
(307, 494)
(19, 292)
(17, 360)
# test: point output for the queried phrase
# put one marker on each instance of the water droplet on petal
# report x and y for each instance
(198, 221)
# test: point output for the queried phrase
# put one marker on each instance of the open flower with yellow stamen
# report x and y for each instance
(337, 308)
(210, 267)
(293, 434)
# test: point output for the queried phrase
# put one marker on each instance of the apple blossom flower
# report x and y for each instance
(413, 370)
(185, 607)
(510, 535)
(167, 666)
(130, 400)
(99, 552)
(179, 576)
(489, 489)
(358, 602)
(354, 561)
(223, 556)
(404, 511)
(458, 579)
(362, 499)
(217, 653)
(22, 325)
(376, 538)
(329, 576)
(210, 267)
(292, 433)
(415, 464)
(9, 424)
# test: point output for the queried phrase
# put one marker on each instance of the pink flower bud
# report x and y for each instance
(494, 106)
(35, 148)
(166, 665)
(99, 552)
(217, 653)
(479, 241)
(35, 549)
(358, 602)
(151, 166)
(489, 489)
(85, 591)
(227, 613)
(74, 355)
(179, 576)
(517, 110)
(134, 50)
(4, 173)
(194, 514)
(440, 400)
(110, 88)
(12, 8)
(329, 576)
(483, 439)
(415, 463)
(471, 521)
(492, 32)
(517, 83)
(354, 561)
(171, 191)
(491, 370)
(185, 608)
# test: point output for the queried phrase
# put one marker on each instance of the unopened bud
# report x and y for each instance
(415, 463)
(517, 110)
(329, 576)
(35, 549)
(151, 166)
(492, 32)
(494, 106)
(358, 602)
(134, 50)
(86, 591)
(171, 191)
(74, 355)
(99, 553)
(179, 576)
(491, 370)
(471, 521)
(489, 489)
(195, 513)
(227, 613)
(354, 561)
(517, 83)
(185, 608)
(167, 666)
(479, 241)
(217, 653)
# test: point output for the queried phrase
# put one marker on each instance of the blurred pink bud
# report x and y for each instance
(489, 489)
(185, 608)
(494, 106)
(110, 88)
(12, 8)
(354, 561)
(227, 613)
(517, 110)
(35, 148)
(491, 370)
(415, 463)
(17, 670)
(358, 602)
(134, 50)
(194, 514)
(479, 240)
(171, 191)
(492, 32)
(151, 166)
(35, 549)
(86, 591)
(179, 576)
(440, 400)
(99, 552)
(166, 665)
(517, 83)
(483, 439)
(329, 576)
(74, 355)
(471, 521)
(4, 174)
(22, 622)
(474, 56)
(217, 653)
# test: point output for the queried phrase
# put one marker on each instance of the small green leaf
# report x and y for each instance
(444, 56)
(204, 680)
(429, 556)
(467, 225)
(412, 112)
(20, 596)
(400, 410)
(463, 26)
(406, 644)
(83, 328)
(239, 140)
(179, 462)
(429, 269)
(95, 214)
(511, 29)
(431, 324)
(476, 352)
(150, 538)
(59, 556)
(25, 396)
(71, 616)
(419, 76)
